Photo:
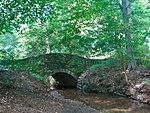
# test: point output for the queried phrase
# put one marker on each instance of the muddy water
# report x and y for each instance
(106, 102)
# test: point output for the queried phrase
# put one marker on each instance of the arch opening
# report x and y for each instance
(64, 80)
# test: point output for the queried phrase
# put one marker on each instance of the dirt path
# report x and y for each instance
(15, 101)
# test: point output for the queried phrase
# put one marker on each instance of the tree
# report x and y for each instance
(125, 8)
(141, 29)
(8, 44)
(14, 13)
(83, 27)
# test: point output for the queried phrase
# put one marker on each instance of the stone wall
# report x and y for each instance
(102, 79)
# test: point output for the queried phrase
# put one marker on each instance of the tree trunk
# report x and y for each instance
(126, 20)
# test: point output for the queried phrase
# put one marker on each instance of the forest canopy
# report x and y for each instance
(118, 29)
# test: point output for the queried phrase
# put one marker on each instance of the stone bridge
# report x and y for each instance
(64, 68)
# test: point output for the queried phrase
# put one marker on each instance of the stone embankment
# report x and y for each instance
(138, 86)
(112, 80)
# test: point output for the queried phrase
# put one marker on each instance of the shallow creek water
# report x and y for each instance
(106, 101)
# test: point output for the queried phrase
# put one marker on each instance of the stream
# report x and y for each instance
(106, 101)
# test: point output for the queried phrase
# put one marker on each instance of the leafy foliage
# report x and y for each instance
(14, 13)
(86, 28)
(8, 44)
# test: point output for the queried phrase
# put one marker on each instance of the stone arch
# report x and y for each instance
(65, 78)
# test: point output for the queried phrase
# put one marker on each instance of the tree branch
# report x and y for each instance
(120, 5)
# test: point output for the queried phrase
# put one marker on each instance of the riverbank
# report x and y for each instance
(17, 101)
(65, 101)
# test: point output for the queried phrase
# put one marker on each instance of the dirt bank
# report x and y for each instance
(18, 101)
